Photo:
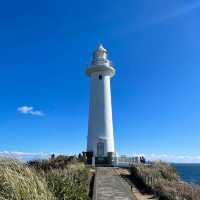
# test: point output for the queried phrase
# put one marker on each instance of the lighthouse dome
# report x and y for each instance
(100, 48)
(100, 55)
(100, 62)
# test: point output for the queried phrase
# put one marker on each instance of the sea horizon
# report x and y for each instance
(189, 172)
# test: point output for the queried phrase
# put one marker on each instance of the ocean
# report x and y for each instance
(189, 172)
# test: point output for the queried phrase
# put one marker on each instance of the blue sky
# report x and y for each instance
(45, 47)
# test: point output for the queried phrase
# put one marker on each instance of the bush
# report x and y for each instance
(59, 162)
(69, 184)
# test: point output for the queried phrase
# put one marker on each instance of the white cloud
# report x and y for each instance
(152, 157)
(25, 109)
(37, 113)
(174, 158)
(30, 110)
(24, 155)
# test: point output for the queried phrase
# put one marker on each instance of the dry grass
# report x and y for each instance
(162, 180)
(19, 182)
(53, 179)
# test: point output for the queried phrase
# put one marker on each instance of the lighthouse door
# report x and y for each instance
(100, 149)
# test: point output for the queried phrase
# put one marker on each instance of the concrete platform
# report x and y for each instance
(109, 186)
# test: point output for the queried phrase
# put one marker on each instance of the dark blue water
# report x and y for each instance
(189, 172)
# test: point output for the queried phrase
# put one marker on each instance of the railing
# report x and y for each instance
(124, 161)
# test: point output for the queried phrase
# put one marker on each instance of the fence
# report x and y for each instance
(125, 161)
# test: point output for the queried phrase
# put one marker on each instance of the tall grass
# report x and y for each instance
(19, 182)
(162, 180)
(66, 176)
(58, 178)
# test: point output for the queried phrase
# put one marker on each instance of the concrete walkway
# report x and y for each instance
(109, 186)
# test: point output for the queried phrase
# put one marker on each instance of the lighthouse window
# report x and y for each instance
(100, 77)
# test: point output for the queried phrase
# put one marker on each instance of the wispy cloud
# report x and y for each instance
(152, 157)
(23, 155)
(178, 12)
(163, 12)
(30, 110)
(174, 158)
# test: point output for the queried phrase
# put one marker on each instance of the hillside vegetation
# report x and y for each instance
(162, 180)
(58, 178)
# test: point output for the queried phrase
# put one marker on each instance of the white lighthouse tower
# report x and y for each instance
(100, 143)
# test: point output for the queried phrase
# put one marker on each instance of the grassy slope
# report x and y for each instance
(162, 180)
(58, 178)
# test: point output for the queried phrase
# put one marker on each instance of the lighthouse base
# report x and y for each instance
(100, 160)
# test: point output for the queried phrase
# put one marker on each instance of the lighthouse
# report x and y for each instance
(100, 141)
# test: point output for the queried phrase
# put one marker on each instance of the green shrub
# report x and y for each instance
(69, 183)
(59, 162)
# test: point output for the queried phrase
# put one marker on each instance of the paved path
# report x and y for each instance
(109, 186)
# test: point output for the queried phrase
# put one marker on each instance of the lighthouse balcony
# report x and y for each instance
(101, 68)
